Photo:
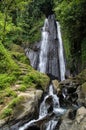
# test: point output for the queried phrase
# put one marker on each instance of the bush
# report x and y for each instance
(6, 62)
(6, 80)
(23, 88)
(15, 102)
(81, 77)
(36, 79)
(10, 92)
(6, 112)
(20, 57)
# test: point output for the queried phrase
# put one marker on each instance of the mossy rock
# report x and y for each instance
(11, 108)
(16, 48)
(84, 88)
(36, 79)
(81, 78)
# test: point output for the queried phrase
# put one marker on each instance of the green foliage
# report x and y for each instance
(6, 62)
(84, 87)
(36, 79)
(6, 113)
(23, 88)
(10, 92)
(20, 57)
(34, 32)
(15, 102)
(72, 16)
(1, 101)
(81, 77)
(84, 53)
(6, 80)
(9, 110)
(41, 6)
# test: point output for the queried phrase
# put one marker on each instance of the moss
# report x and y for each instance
(10, 109)
(6, 80)
(15, 102)
(84, 53)
(21, 57)
(6, 62)
(6, 113)
(84, 88)
(23, 88)
(81, 77)
(16, 48)
(10, 92)
(36, 79)
(16, 71)
(17, 53)
(1, 101)
(34, 33)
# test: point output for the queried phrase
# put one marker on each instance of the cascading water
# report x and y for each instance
(55, 109)
(44, 107)
(50, 104)
(44, 48)
(61, 54)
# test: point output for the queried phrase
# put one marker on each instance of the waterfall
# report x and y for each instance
(48, 59)
(43, 112)
(55, 108)
(44, 48)
(61, 53)
(43, 58)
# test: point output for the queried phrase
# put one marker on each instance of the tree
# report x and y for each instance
(72, 16)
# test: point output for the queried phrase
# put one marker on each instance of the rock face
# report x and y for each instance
(82, 94)
(52, 68)
(24, 111)
(72, 96)
(77, 123)
(33, 54)
(53, 61)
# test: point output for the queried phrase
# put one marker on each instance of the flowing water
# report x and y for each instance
(50, 104)
(43, 112)
(61, 53)
(55, 109)
(44, 48)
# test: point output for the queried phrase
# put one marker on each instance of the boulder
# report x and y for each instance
(81, 113)
(56, 85)
(77, 123)
(30, 103)
(27, 109)
(81, 95)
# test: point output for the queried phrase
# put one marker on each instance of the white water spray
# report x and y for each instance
(44, 48)
(61, 53)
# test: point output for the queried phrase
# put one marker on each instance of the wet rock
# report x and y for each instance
(49, 103)
(56, 85)
(33, 128)
(69, 92)
(77, 123)
(52, 67)
(49, 100)
(81, 113)
(33, 56)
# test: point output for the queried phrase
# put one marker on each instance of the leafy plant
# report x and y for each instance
(6, 113)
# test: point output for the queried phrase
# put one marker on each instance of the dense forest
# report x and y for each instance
(20, 26)
(21, 22)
